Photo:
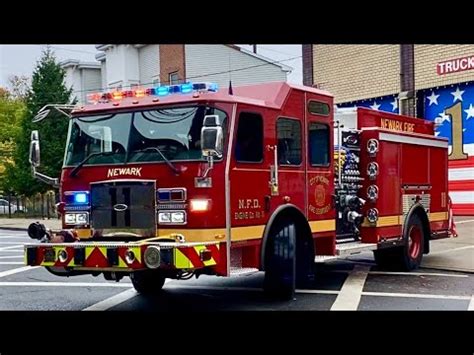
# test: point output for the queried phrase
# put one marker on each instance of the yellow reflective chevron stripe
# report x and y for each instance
(190, 257)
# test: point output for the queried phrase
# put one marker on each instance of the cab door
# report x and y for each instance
(249, 175)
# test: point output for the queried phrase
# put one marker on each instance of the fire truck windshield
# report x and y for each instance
(161, 135)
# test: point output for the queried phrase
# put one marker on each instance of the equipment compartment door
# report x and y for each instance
(319, 167)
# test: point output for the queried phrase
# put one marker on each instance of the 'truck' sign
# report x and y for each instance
(455, 65)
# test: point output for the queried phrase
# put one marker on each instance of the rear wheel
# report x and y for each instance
(407, 257)
(147, 281)
(280, 261)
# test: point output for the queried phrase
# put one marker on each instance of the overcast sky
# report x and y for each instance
(21, 59)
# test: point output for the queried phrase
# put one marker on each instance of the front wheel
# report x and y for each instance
(147, 281)
(407, 257)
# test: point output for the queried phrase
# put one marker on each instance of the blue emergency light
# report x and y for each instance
(183, 88)
(163, 90)
(81, 197)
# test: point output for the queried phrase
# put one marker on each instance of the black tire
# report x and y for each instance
(305, 266)
(148, 281)
(407, 257)
(280, 261)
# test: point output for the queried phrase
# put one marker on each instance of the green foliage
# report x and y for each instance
(11, 114)
(47, 87)
(12, 111)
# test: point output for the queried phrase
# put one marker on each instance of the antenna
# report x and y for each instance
(231, 91)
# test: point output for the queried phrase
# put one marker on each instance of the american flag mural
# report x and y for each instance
(453, 108)
(387, 103)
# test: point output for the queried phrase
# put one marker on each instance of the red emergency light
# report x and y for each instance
(163, 90)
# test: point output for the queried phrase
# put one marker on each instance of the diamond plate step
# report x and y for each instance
(239, 271)
(324, 258)
(346, 249)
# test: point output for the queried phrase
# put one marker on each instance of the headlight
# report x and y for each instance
(70, 218)
(77, 218)
(164, 217)
(172, 217)
(177, 217)
(372, 215)
(372, 146)
(372, 192)
(372, 170)
(82, 218)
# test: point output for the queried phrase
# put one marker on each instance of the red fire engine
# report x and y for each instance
(185, 180)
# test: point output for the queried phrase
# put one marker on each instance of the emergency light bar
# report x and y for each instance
(163, 90)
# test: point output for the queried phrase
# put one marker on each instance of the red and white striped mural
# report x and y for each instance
(461, 185)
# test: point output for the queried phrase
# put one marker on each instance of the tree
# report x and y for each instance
(47, 87)
(19, 86)
(11, 113)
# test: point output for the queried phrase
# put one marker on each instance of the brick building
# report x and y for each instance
(428, 81)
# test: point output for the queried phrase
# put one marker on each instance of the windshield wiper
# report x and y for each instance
(86, 159)
(170, 164)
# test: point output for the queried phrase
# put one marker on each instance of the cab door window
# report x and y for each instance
(249, 145)
(319, 144)
(289, 141)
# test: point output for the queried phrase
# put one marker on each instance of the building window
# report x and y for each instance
(318, 108)
(318, 144)
(289, 141)
(174, 78)
(249, 146)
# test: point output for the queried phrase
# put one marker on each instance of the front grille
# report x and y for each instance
(127, 206)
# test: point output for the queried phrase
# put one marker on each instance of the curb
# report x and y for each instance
(13, 228)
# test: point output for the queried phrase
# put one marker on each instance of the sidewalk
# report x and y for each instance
(456, 254)
(23, 223)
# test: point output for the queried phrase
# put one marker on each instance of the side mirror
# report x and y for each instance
(212, 137)
(35, 149)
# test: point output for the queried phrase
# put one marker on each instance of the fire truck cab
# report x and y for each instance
(184, 180)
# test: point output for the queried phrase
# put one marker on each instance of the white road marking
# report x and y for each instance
(415, 274)
(410, 273)
(415, 295)
(471, 304)
(451, 250)
(17, 270)
(319, 292)
(112, 301)
(11, 247)
(11, 257)
(64, 284)
(466, 221)
(12, 263)
(13, 237)
(16, 243)
(349, 296)
(123, 296)
(115, 300)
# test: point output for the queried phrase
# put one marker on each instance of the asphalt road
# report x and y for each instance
(354, 284)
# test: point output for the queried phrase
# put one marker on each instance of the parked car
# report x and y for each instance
(14, 208)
